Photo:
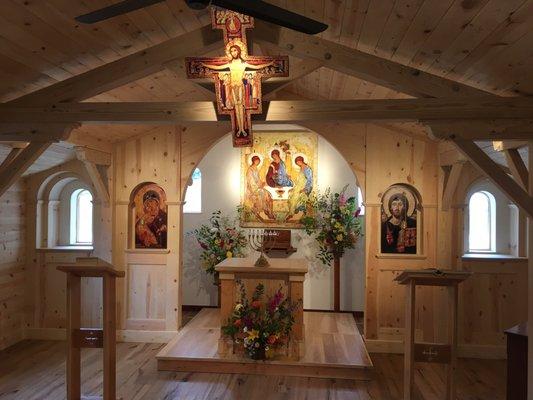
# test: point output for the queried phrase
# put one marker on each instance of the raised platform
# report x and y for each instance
(334, 348)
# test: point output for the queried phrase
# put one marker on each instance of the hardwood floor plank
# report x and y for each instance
(32, 370)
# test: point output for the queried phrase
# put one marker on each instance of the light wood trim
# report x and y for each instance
(15, 151)
(362, 65)
(506, 184)
(453, 334)
(303, 68)
(126, 69)
(517, 167)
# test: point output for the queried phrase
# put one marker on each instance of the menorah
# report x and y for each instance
(262, 240)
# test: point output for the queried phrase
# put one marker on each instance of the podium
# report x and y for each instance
(444, 353)
(78, 337)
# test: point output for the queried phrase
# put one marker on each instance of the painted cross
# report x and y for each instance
(237, 75)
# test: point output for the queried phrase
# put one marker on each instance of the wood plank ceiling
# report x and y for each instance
(484, 43)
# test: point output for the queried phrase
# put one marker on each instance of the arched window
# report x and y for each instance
(482, 222)
(81, 217)
(193, 196)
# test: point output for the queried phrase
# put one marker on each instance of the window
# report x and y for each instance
(193, 196)
(482, 222)
(360, 201)
(81, 217)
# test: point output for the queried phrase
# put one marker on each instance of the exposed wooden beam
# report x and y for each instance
(496, 174)
(91, 155)
(361, 65)
(468, 118)
(451, 184)
(90, 159)
(15, 151)
(517, 167)
(36, 131)
(20, 164)
(126, 69)
(487, 129)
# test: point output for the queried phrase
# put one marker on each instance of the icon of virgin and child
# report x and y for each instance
(277, 195)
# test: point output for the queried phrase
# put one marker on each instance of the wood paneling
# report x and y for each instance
(12, 265)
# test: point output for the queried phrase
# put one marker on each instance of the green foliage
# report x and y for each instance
(334, 220)
(258, 324)
(219, 239)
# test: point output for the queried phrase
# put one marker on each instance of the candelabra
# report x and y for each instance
(261, 241)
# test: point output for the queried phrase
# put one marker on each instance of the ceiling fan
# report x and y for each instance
(254, 8)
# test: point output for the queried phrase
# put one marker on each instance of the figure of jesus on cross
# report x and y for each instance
(237, 75)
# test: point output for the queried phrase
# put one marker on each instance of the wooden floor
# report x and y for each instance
(32, 370)
(334, 348)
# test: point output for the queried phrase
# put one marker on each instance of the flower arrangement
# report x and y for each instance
(261, 326)
(334, 219)
(219, 239)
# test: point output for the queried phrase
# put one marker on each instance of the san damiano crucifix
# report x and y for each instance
(237, 75)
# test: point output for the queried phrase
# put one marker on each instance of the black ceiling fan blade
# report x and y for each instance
(274, 14)
(113, 10)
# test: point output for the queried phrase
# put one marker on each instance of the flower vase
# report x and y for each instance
(259, 354)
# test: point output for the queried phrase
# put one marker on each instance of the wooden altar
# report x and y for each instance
(287, 274)
(334, 348)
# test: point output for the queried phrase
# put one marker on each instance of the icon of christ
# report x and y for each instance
(237, 75)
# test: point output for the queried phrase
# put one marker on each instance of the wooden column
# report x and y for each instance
(336, 283)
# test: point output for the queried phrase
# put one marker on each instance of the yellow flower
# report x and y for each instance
(229, 254)
(339, 237)
(238, 307)
(253, 334)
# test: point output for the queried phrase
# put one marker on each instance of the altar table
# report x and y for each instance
(289, 274)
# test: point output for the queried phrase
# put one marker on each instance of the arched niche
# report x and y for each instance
(228, 172)
(148, 220)
(401, 220)
(53, 211)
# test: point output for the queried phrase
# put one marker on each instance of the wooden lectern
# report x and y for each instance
(444, 353)
(77, 337)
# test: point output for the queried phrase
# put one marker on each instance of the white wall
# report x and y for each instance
(221, 191)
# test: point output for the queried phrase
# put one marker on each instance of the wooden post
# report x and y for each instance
(409, 355)
(451, 368)
(530, 279)
(73, 324)
(336, 283)
(110, 337)
(78, 338)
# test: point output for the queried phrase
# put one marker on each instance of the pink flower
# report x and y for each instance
(342, 200)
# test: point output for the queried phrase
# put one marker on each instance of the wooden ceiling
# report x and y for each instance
(484, 43)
